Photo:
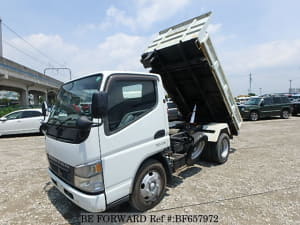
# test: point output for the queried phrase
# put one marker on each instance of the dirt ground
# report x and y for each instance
(260, 183)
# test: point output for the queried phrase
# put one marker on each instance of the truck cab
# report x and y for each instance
(108, 138)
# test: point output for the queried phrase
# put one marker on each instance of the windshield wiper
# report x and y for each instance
(55, 119)
(63, 122)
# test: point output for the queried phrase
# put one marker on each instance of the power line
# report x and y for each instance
(39, 51)
(21, 51)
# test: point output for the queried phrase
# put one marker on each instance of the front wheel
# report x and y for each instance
(149, 187)
(253, 116)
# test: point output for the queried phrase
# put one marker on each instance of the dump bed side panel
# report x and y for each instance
(223, 85)
(192, 74)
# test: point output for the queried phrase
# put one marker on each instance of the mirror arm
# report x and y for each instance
(97, 124)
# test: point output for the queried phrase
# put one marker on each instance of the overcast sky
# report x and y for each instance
(261, 37)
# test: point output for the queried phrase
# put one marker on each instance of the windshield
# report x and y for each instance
(74, 100)
(253, 101)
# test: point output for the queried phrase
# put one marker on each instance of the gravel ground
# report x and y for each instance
(260, 183)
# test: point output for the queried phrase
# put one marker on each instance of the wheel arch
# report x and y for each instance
(254, 110)
(160, 158)
(226, 130)
(286, 108)
(213, 131)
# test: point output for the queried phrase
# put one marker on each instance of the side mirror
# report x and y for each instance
(3, 119)
(44, 109)
(262, 104)
(84, 123)
(44, 127)
(99, 104)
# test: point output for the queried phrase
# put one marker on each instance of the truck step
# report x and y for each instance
(178, 160)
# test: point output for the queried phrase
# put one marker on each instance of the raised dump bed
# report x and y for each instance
(192, 75)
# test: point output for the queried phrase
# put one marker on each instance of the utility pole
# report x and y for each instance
(1, 49)
(250, 83)
(290, 91)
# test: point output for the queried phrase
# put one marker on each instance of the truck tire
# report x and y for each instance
(253, 116)
(194, 155)
(218, 152)
(149, 187)
(285, 114)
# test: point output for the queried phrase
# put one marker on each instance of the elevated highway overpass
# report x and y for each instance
(25, 81)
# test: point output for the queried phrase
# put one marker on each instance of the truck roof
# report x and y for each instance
(192, 75)
(107, 73)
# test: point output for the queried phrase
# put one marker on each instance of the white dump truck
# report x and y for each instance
(108, 138)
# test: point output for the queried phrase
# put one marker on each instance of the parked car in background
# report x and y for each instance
(266, 106)
(241, 100)
(293, 97)
(173, 113)
(21, 122)
(296, 107)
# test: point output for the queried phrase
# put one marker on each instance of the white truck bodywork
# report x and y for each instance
(118, 157)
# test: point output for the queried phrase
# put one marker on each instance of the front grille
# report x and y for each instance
(61, 169)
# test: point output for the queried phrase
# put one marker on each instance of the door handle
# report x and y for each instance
(159, 134)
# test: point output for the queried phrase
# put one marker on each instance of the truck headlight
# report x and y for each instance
(242, 109)
(89, 177)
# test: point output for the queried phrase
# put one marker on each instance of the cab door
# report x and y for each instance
(134, 129)
(267, 107)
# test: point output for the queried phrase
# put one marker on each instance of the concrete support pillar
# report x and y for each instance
(37, 95)
(36, 99)
(24, 98)
(46, 96)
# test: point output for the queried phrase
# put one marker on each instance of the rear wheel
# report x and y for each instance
(218, 152)
(285, 114)
(253, 116)
(149, 187)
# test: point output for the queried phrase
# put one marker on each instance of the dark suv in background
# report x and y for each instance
(266, 106)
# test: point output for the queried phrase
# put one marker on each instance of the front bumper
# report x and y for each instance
(91, 203)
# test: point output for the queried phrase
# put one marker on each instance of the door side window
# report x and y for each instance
(277, 100)
(268, 101)
(29, 114)
(285, 100)
(128, 101)
(13, 116)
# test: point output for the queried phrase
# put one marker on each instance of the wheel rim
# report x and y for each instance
(198, 150)
(151, 186)
(225, 148)
(285, 114)
(254, 116)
